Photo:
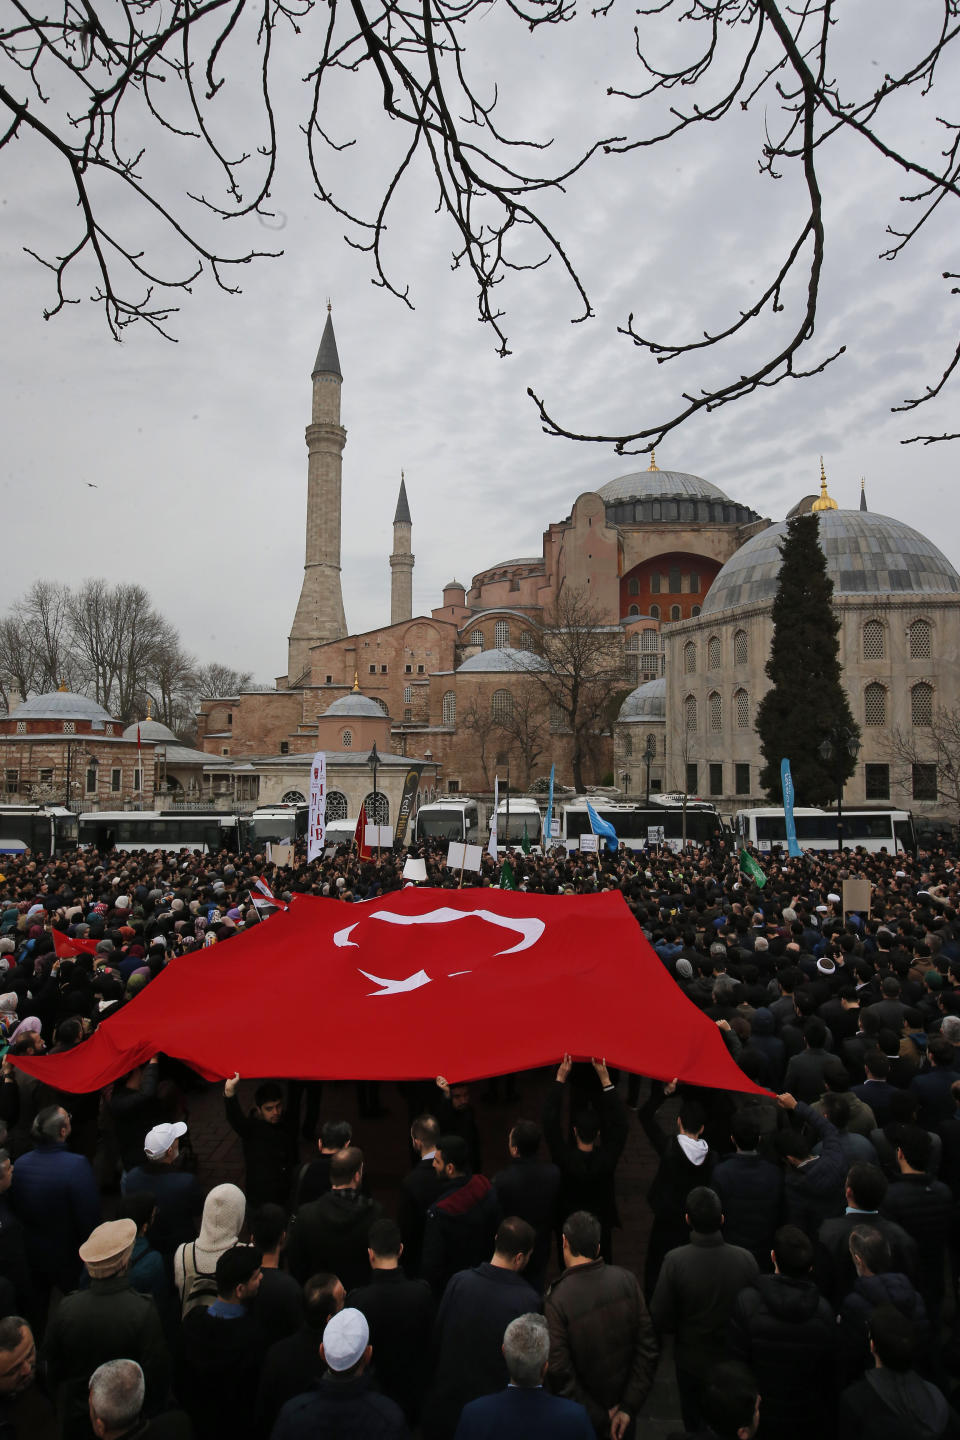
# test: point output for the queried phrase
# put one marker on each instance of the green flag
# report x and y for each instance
(525, 843)
(751, 868)
(508, 880)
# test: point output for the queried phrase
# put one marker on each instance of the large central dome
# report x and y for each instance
(657, 485)
(867, 554)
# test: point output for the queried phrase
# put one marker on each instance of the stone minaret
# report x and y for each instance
(320, 614)
(401, 561)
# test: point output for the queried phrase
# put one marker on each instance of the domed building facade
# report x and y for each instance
(64, 748)
(898, 600)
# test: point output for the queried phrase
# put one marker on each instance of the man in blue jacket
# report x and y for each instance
(55, 1195)
(525, 1410)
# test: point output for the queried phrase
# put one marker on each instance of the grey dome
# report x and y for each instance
(647, 702)
(151, 730)
(503, 660)
(867, 554)
(355, 705)
(644, 484)
(61, 705)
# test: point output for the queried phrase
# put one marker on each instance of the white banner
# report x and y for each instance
(464, 857)
(492, 842)
(589, 843)
(318, 805)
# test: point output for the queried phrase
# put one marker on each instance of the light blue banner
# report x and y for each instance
(786, 783)
(602, 827)
(548, 838)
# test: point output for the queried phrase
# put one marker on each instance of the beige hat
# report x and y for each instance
(107, 1249)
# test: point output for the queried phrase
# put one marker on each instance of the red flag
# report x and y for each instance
(262, 897)
(66, 948)
(360, 837)
(415, 984)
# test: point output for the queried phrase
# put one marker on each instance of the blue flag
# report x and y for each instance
(549, 823)
(602, 827)
(786, 783)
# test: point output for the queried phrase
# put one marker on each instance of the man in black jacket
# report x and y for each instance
(924, 1208)
(750, 1190)
(686, 1161)
(332, 1233)
(529, 1187)
(588, 1162)
(814, 1183)
(270, 1149)
(220, 1352)
(400, 1316)
(866, 1189)
(419, 1190)
(462, 1221)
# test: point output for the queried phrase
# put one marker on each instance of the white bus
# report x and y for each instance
(159, 830)
(633, 822)
(524, 819)
(44, 828)
(448, 820)
(281, 824)
(872, 830)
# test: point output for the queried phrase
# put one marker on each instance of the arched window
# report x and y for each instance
(651, 743)
(633, 588)
(690, 712)
(477, 638)
(558, 719)
(633, 642)
(741, 705)
(716, 710)
(634, 610)
(294, 797)
(450, 708)
(674, 612)
(694, 584)
(526, 640)
(408, 694)
(649, 640)
(377, 808)
(336, 805)
(346, 740)
(694, 611)
(627, 745)
(674, 579)
(382, 704)
(713, 653)
(689, 658)
(655, 582)
(920, 634)
(501, 704)
(873, 646)
(921, 705)
(740, 647)
(654, 612)
(501, 634)
(875, 704)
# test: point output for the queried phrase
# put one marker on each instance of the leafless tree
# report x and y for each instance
(525, 725)
(110, 91)
(115, 632)
(45, 611)
(479, 720)
(936, 747)
(18, 659)
(214, 681)
(576, 660)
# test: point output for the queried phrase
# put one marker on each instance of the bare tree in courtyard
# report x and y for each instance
(479, 721)
(526, 727)
(930, 757)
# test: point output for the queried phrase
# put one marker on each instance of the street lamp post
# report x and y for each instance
(841, 738)
(650, 749)
(625, 781)
(373, 760)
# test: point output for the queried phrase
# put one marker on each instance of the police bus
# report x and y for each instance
(674, 817)
(867, 829)
(47, 829)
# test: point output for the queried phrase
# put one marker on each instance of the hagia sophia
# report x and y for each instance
(678, 574)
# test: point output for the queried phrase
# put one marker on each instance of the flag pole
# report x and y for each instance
(255, 910)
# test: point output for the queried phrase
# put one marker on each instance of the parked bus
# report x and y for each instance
(524, 820)
(159, 830)
(872, 830)
(697, 819)
(282, 824)
(448, 820)
(44, 828)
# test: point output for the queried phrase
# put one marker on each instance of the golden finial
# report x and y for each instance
(826, 502)
(329, 306)
(356, 681)
(653, 461)
(62, 687)
(149, 708)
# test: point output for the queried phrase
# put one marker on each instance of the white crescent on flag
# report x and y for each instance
(529, 929)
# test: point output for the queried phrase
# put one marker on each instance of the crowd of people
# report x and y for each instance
(803, 1253)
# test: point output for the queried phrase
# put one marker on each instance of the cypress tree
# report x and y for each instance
(806, 703)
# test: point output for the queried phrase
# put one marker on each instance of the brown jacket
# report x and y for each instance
(603, 1351)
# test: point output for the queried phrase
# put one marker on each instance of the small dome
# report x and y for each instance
(60, 705)
(151, 730)
(355, 705)
(647, 702)
(503, 660)
(454, 585)
(867, 554)
(656, 484)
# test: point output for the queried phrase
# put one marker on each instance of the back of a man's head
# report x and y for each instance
(915, 1146)
(728, 1399)
(894, 1338)
(525, 1138)
(323, 1296)
(117, 1391)
(235, 1267)
(744, 1131)
(526, 1349)
(868, 1245)
(515, 1237)
(793, 1252)
(336, 1134)
(582, 1233)
(384, 1239)
(268, 1224)
(426, 1130)
(867, 1185)
(704, 1210)
(344, 1166)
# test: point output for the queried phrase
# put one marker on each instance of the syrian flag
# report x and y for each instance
(67, 949)
(263, 897)
(360, 836)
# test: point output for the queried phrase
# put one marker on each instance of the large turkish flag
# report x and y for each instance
(461, 983)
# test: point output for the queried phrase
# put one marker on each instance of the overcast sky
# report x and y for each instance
(196, 449)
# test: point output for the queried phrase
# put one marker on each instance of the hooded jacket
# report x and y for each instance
(223, 1214)
(785, 1331)
(460, 1229)
(896, 1405)
(853, 1341)
(331, 1234)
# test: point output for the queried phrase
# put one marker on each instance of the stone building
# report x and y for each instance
(898, 600)
(66, 749)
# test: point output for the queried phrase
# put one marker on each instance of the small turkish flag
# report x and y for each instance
(67, 949)
(411, 985)
(360, 836)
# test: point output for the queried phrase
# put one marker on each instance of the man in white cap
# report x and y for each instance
(177, 1194)
(343, 1402)
(108, 1321)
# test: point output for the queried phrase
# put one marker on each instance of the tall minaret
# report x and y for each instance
(401, 561)
(320, 614)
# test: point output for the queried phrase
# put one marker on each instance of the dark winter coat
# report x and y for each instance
(751, 1190)
(587, 1177)
(55, 1196)
(341, 1407)
(331, 1234)
(420, 1188)
(833, 1267)
(218, 1372)
(530, 1189)
(271, 1154)
(891, 1405)
(853, 1341)
(603, 1350)
(695, 1295)
(924, 1208)
(460, 1229)
(400, 1316)
(785, 1332)
(814, 1191)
